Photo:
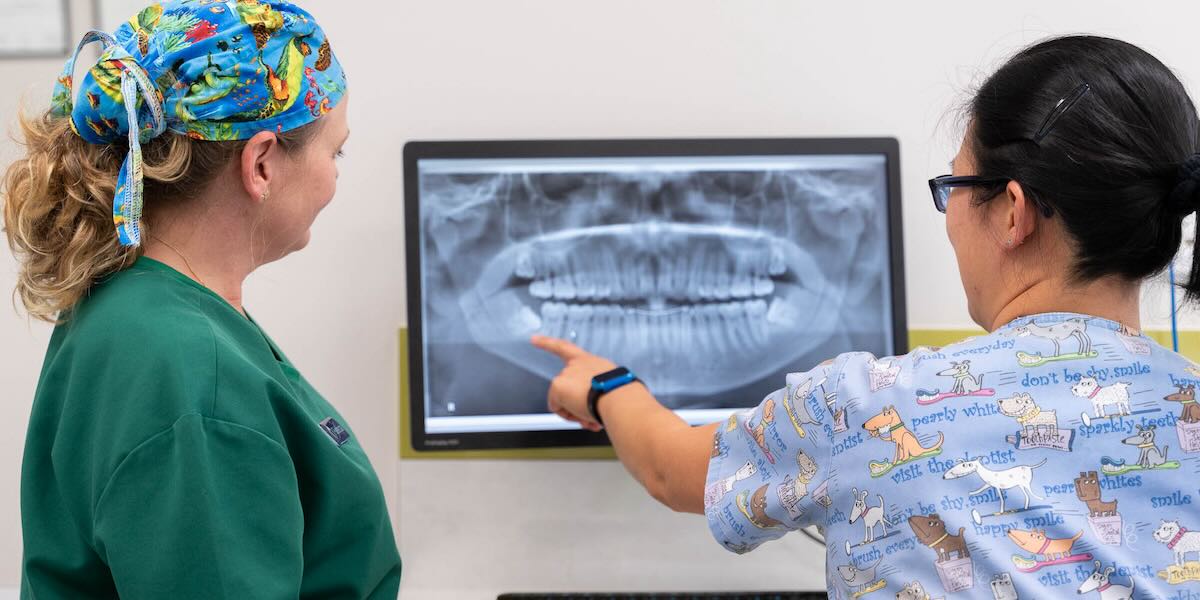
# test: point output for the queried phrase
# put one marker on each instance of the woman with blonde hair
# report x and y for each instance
(173, 450)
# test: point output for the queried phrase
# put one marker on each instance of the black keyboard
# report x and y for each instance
(668, 596)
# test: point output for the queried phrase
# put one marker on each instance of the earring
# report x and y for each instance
(263, 198)
(1008, 242)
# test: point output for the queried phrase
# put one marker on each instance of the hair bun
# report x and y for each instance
(1185, 198)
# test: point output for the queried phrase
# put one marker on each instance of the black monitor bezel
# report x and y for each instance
(419, 150)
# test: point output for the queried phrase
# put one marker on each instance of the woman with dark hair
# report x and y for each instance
(1049, 457)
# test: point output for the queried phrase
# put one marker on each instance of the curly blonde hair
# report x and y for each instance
(58, 204)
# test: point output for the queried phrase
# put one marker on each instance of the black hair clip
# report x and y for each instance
(1060, 109)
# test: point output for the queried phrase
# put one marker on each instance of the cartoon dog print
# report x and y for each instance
(758, 432)
(1028, 414)
(1100, 583)
(808, 468)
(792, 491)
(871, 516)
(913, 591)
(795, 403)
(1034, 541)
(857, 578)
(1186, 397)
(1116, 395)
(1087, 489)
(1150, 456)
(888, 423)
(1179, 540)
(964, 382)
(758, 510)
(1016, 477)
(931, 531)
(1059, 333)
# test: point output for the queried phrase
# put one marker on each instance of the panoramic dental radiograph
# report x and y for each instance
(710, 279)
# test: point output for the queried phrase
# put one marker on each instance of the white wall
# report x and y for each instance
(21, 343)
(454, 69)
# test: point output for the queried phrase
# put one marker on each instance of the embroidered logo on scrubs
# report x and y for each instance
(335, 430)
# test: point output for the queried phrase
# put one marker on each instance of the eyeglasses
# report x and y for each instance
(942, 185)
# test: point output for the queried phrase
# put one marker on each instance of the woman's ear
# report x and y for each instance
(259, 167)
(1021, 217)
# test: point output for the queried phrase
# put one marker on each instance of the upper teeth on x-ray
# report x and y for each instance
(700, 277)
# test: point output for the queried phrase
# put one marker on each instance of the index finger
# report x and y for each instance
(560, 348)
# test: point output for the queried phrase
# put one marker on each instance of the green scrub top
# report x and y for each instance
(174, 452)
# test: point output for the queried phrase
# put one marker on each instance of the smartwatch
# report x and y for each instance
(604, 383)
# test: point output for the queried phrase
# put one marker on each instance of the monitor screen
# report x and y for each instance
(710, 268)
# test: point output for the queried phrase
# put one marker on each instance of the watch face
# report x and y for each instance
(613, 374)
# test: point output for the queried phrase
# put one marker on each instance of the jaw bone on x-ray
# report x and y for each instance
(708, 278)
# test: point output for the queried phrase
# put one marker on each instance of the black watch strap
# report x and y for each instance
(604, 383)
(593, 399)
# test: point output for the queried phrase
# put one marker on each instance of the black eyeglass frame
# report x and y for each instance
(942, 185)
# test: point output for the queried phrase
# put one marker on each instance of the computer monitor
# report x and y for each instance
(709, 267)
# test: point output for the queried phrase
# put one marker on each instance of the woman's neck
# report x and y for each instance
(1106, 298)
(214, 261)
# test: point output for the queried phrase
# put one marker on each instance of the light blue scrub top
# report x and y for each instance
(1057, 455)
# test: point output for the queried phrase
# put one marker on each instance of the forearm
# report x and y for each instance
(665, 454)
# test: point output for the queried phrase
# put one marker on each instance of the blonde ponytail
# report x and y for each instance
(58, 204)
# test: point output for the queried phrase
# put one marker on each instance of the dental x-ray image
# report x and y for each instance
(710, 277)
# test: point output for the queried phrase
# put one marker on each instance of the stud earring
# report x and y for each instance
(263, 198)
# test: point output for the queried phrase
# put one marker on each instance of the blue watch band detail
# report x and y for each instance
(604, 383)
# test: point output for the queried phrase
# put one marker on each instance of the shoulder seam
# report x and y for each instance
(212, 337)
(165, 431)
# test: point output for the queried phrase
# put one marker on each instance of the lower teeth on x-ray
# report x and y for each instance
(709, 278)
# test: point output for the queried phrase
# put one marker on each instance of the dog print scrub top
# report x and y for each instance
(1055, 457)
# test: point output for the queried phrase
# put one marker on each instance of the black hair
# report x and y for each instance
(1117, 167)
